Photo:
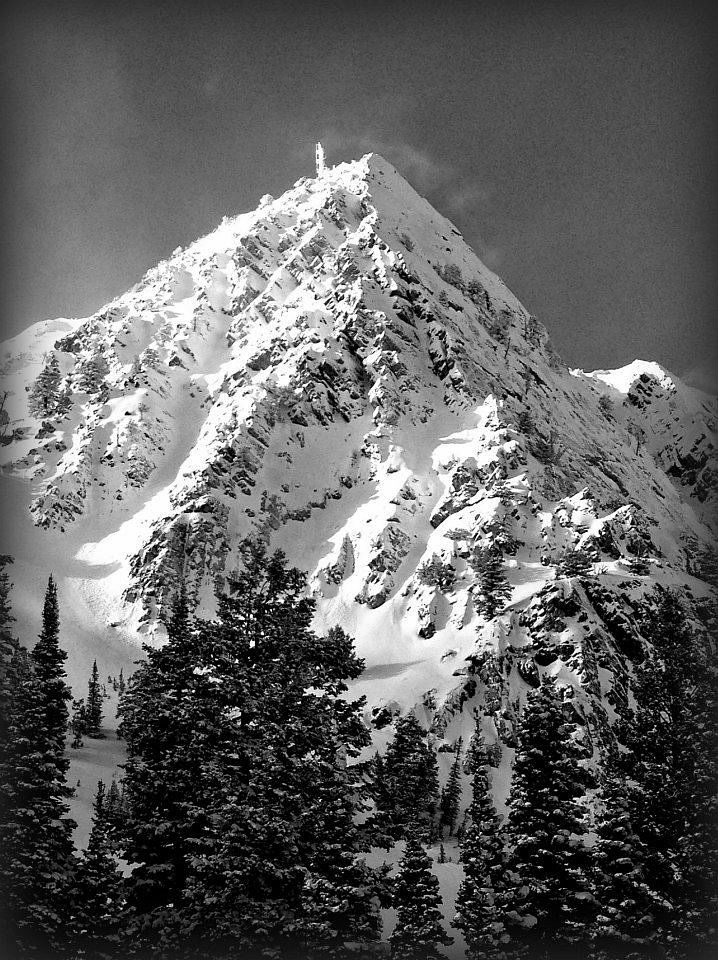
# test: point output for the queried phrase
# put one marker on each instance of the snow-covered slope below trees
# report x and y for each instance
(338, 373)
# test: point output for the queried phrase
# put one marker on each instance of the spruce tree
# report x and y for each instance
(451, 794)
(35, 832)
(493, 589)
(78, 723)
(98, 890)
(49, 670)
(549, 904)
(93, 710)
(574, 563)
(44, 393)
(9, 647)
(625, 925)
(172, 722)
(419, 932)
(240, 803)
(672, 761)
(478, 912)
(411, 777)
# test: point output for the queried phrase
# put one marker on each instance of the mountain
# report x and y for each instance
(338, 373)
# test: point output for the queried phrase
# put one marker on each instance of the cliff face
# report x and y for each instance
(337, 372)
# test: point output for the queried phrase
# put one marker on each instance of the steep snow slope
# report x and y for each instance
(338, 373)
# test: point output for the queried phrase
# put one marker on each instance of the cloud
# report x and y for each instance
(702, 377)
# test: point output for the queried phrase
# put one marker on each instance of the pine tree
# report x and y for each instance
(411, 777)
(172, 721)
(44, 393)
(49, 669)
(574, 563)
(241, 805)
(91, 374)
(549, 905)
(494, 589)
(437, 573)
(478, 913)
(451, 795)
(419, 932)
(9, 647)
(525, 422)
(672, 760)
(35, 833)
(93, 710)
(626, 919)
(78, 723)
(98, 890)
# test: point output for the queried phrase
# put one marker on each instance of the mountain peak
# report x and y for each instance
(337, 373)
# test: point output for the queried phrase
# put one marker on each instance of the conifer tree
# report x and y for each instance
(77, 723)
(9, 647)
(411, 776)
(171, 720)
(241, 807)
(419, 932)
(672, 760)
(574, 563)
(478, 913)
(451, 795)
(549, 904)
(93, 710)
(49, 670)
(493, 589)
(44, 392)
(625, 925)
(98, 889)
(35, 832)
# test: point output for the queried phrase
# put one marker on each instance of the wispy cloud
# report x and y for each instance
(702, 377)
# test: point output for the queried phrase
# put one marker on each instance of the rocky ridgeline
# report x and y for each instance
(337, 372)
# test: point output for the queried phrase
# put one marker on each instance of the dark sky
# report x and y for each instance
(572, 143)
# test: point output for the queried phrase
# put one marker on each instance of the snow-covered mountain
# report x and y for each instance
(337, 372)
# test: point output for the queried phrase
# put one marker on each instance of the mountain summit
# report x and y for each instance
(337, 373)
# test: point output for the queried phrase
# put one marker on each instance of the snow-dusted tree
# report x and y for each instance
(493, 589)
(436, 573)
(35, 832)
(93, 708)
(548, 904)
(574, 563)
(451, 794)
(419, 933)
(241, 805)
(411, 777)
(49, 669)
(91, 373)
(8, 644)
(78, 723)
(478, 912)
(44, 394)
(98, 890)
(672, 762)
(625, 925)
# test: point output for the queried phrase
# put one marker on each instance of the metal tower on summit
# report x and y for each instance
(321, 165)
